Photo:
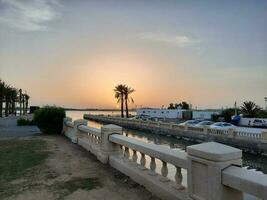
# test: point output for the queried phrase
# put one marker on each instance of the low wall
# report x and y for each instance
(256, 143)
(213, 170)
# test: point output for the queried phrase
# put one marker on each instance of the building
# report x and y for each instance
(161, 113)
(175, 113)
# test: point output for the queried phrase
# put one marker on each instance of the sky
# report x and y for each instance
(73, 53)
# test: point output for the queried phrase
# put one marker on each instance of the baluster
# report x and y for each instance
(152, 167)
(164, 172)
(90, 137)
(126, 153)
(134, 158)
(179, 178)
(143, 162)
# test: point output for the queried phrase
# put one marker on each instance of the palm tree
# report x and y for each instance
(250, 109)
(119, 94)
(2, 85)
(7, 94)
(20, 101)
(23, 104)
(27, 97)
(127, 91)
(14, 94)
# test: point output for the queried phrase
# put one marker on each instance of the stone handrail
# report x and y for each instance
(70, 124)
(244, 180)
(172, 156)
(213, 170)
(90, 130)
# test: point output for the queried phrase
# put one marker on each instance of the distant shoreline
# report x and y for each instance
(93, 109)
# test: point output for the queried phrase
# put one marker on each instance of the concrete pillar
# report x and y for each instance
(64, 127)
(106, 147)
(264, 136)
(205, 164)
(76, 131)
(205, 130)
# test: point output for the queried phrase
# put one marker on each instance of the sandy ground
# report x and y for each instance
(67, 161)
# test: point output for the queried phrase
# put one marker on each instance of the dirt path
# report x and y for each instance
(68, 162)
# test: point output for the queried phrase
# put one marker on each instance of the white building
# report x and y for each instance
(161, 113)
(203, 114)
(175, 113)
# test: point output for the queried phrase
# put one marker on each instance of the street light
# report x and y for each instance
(265, 99)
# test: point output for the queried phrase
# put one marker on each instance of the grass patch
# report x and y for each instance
(74, 184)
(16, 156)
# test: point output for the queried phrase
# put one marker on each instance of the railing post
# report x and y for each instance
(186, 127)
(64, 127)
(231, 132)
(205, 130)
(205, 164)
(106, 147)
(264, 136)
(76, 131)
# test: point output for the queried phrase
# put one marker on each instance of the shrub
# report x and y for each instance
(25, 122)
(50, 119)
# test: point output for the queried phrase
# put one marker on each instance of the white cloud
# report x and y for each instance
(179, 40)
(27, 15)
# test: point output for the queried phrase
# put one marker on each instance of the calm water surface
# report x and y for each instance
(252, 162)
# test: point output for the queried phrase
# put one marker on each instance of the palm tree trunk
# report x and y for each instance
(122, 110)
(6, 108)
(1, 106)
(126, 108)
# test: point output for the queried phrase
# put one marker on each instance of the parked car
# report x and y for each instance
(259, 123)
(204, 123)
(141, 117)
(191, 122)
(222, 126)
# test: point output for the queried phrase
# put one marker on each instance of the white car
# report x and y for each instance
(222, 126)
(191, 122)
(204, 123)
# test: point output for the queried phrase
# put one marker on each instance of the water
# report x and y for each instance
(252, 162)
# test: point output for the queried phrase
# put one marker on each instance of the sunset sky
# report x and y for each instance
(72, 53)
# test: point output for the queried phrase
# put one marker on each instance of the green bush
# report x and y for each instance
(50, 119)
(25, 122)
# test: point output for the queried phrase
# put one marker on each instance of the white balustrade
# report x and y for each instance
(213, 169)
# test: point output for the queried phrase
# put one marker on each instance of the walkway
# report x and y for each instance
(9, 128)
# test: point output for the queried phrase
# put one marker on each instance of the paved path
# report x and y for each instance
(9, 128)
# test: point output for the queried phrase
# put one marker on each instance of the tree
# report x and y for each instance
(2, 85)
(183, 105)
(27, 97)
(227, 114)
(20, 101)
(119, 95)
(9, 96)
(171, 106)
(127, 91)
(14, 94)
(250, 109)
